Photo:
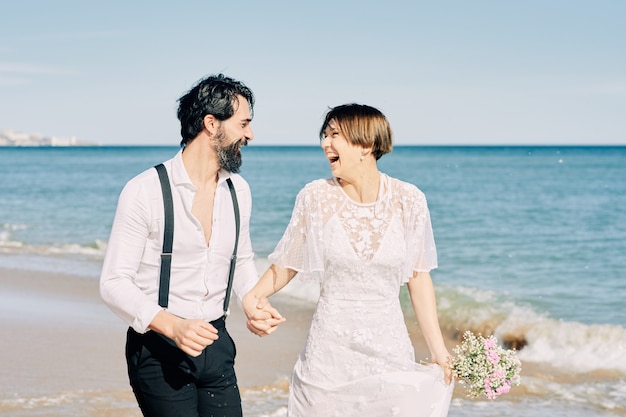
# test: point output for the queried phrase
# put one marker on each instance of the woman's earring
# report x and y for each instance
(362, 156)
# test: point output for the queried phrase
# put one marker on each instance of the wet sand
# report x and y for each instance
(63, 349)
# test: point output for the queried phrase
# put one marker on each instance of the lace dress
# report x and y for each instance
(358, 359)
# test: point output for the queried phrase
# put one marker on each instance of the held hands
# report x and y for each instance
(263, 319)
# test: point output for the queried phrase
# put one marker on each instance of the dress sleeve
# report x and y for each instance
(421, 249)
(300, 246)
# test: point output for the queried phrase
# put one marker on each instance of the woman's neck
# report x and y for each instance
(363, 188)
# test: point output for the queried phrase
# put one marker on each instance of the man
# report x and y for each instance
(179, 354)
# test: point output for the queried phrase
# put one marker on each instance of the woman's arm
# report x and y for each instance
(263, 319)
(424, 303)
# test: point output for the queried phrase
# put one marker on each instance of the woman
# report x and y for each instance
(363, 234)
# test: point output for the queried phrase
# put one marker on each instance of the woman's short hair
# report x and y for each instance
(361, 125)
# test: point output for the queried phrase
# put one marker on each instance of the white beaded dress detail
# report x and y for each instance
(358, 359)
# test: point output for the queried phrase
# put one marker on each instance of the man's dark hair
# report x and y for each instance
(215, 95)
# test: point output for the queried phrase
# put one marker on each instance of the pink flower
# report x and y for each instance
(498, 374)
(488, 391)
(490, 344)
(493, 374)
(493, 356)
(504, 388)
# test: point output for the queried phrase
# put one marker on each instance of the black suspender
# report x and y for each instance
(168, 237)
(233, 259)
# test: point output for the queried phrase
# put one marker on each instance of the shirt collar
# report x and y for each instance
(180, 176)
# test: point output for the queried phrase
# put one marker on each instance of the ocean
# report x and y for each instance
(531, 243)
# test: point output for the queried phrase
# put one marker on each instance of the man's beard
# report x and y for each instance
(229, 156)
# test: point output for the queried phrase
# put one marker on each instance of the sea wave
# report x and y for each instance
(10, 244)
(536, 396)
(603, 395)
(69, 258)
(70, 403)
(6, 233)
(570, 346)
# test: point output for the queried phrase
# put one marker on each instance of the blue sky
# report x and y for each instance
(448, 72)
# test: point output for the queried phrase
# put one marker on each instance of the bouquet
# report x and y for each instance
(485, 367)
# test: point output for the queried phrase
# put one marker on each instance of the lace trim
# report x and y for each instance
(365, 224)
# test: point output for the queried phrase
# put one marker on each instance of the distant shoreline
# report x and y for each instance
(12, 138)
(51, 146)
(296, 146)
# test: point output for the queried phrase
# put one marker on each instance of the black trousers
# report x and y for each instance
(169, 383)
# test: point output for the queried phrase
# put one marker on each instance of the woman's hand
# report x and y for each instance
(262, 318)
(444, 359)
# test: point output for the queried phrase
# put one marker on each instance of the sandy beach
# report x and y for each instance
(63, 352)
(63, 349)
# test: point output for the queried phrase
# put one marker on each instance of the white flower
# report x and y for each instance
(485, 367)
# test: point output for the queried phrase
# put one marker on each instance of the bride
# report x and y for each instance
(363, 235)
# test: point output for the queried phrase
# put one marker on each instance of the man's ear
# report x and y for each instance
(210, 124)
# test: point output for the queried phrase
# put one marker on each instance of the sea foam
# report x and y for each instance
(571, 346)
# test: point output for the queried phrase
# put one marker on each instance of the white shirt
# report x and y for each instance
(129, 283)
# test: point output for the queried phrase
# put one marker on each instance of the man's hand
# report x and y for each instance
(192, 336)
(263, 319)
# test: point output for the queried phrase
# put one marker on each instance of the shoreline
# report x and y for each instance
(34, 301)
(65, 349)
(63, 352)
(59, 326)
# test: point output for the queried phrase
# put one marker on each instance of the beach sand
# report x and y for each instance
(63, 349)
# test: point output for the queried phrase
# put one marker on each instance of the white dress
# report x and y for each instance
(358, 359)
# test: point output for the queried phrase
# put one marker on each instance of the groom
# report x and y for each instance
(180, 356)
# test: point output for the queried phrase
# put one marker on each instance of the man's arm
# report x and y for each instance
(125, 249)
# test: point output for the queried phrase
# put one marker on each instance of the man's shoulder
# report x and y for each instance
(146, 180)
(238, 181)
(148, 175)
